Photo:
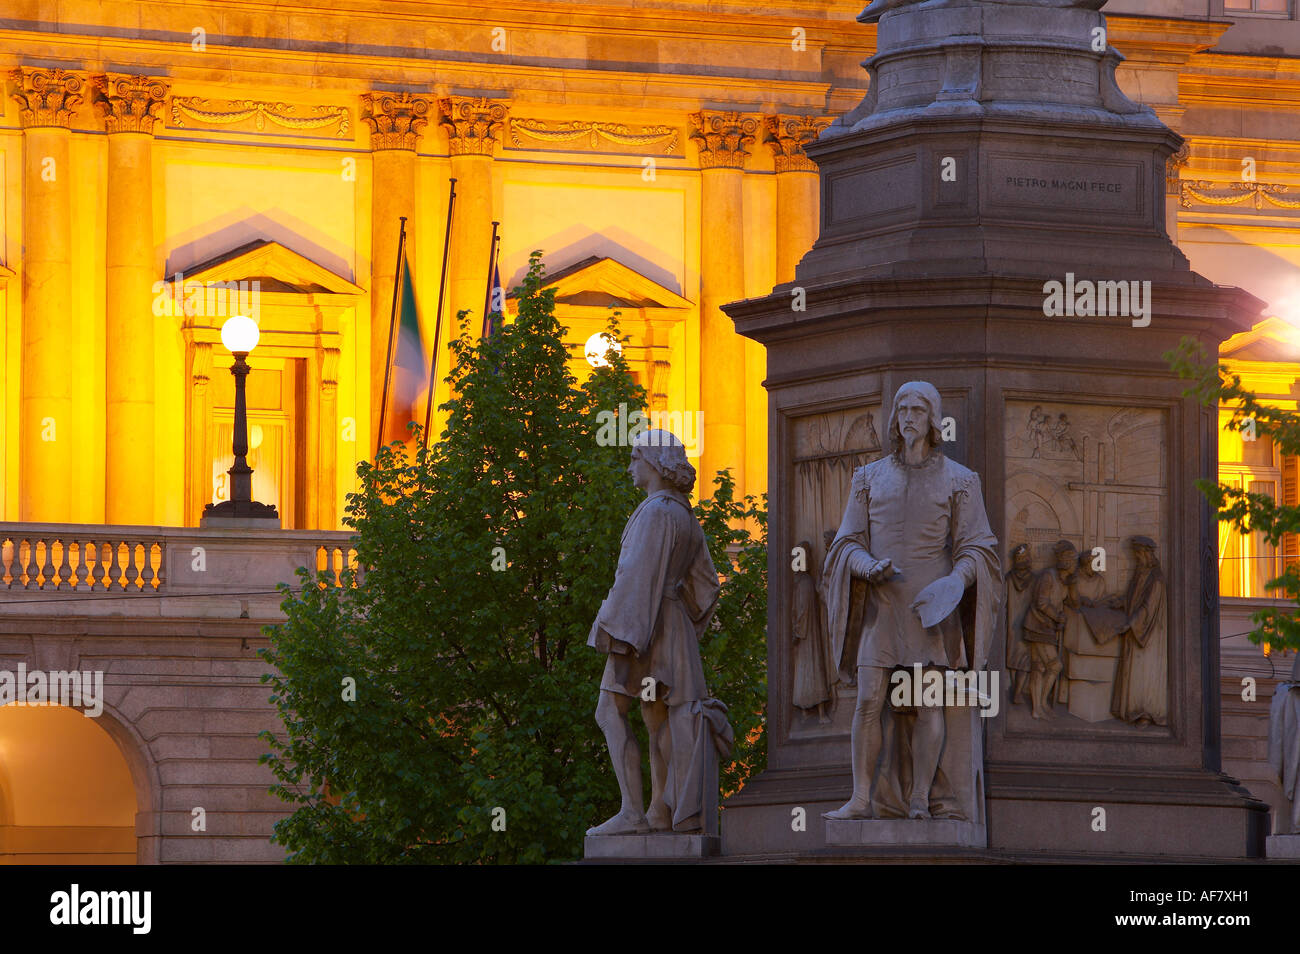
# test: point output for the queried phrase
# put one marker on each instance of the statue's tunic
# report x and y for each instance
(1018, 591)
(664, 593)
(1046, 608)
(925, 518)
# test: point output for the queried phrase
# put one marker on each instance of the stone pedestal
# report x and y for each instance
(977, 173)
(1283, 846)
(654, 847)
(905, 831)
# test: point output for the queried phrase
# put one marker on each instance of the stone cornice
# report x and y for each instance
(395, 120)
(128, 104)
(473, 124)
(722, 137)
(786, 137)
(261, 71)
(46, 97)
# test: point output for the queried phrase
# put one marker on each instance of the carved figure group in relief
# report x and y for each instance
(912, 578)
(1068, 641)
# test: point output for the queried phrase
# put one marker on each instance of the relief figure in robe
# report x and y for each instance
(1141, 681)
(814, 677)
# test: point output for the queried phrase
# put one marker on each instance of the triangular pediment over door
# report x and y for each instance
(655, 318)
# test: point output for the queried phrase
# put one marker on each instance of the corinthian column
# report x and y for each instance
(395, 121)
(722, 138)
(129, 107)
(797, 211)
(47, 101)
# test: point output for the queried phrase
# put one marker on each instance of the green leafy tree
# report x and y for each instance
(1216, 386)
(470, 734)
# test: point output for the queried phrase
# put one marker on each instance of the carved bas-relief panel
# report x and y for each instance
(1085, 632)
(827, 449)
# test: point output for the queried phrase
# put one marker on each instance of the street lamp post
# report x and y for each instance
(239, 335)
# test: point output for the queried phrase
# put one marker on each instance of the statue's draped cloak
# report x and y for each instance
(927, 519)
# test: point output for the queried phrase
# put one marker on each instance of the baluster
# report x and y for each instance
(132, 570)
(47, 572)
(146, 571)
(95, 548)
(82, 569)
(118, 564)
(31, 579)
(162, 563)
(6, 561)
(64, 580)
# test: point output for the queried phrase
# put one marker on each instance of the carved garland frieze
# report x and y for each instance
(1236, 193)
(595, 133)
(285, 115)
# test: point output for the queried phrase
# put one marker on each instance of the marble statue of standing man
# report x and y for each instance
(915, 529)
(664, 594)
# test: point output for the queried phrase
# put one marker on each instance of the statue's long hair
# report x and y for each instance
(927, 393)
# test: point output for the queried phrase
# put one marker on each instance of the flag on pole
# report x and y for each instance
(410, 367)
(496, 303)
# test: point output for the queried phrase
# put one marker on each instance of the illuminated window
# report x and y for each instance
(1257, 6)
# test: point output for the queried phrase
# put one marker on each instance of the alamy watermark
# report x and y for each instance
(918, 687)
(208, 299)
(620, 428)
(35, 687)
(1087, 299)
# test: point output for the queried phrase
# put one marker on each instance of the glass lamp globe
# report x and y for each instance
(599, 347)
(239, 334)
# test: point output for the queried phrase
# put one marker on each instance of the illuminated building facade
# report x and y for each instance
(165, 165)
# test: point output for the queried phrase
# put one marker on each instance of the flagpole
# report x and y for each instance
(437, 328)
(487, 299)
(392, 326)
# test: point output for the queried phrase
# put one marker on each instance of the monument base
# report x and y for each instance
(657, 846)
(932, 832)
(1282, 846)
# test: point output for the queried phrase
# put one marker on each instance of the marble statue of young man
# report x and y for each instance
(664, 594)
(914, 528)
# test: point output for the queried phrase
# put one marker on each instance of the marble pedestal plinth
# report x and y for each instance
(934, 832)
(663, 846)
(1282, 846)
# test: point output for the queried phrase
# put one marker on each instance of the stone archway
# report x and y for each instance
(75, 790)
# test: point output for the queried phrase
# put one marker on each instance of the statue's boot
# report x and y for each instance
(659, 817)
(853, 808)
(624, 823)
(919, 807)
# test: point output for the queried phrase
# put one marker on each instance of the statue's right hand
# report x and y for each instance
(884, 571)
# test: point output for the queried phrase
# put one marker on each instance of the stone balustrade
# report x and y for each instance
(96, 561)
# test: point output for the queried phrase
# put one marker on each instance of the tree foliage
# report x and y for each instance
(1214, 385)
(472, 736)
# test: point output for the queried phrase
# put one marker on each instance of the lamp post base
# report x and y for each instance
(239, 515)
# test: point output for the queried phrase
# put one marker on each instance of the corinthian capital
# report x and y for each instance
(786, 137)
(394, 119)
(472, 124)
(128, 103)
(722, 137)
(46, 97)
